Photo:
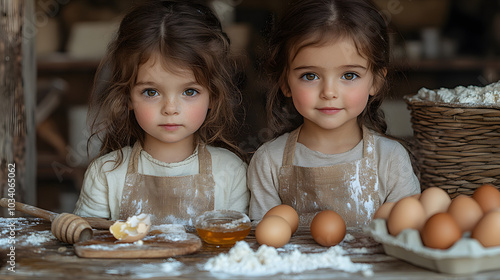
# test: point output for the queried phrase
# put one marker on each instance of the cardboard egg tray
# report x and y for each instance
(466, 256)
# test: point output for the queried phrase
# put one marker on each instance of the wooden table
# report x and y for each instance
(52, 259)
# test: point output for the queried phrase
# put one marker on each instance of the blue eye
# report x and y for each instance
(350, 76)
(150, 92)
(309, 77)
(190, 92)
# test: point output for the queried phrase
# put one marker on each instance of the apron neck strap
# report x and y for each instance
(134, 158)
(368, 143)
(289, 152)
(204, 159)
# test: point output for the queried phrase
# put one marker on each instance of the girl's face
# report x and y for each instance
(169, 106)
(330, 85)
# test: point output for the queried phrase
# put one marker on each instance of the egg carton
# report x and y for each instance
(466, 256)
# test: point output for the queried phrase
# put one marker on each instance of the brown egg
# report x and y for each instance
(328, 228)
(466, 211)
(408, 212)
(273, 231)
(383, 211)
(286, 212)
(487, 230)
(440, 231)
(488, 197)
(434, 200)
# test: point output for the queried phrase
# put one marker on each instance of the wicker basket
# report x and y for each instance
(457, 145)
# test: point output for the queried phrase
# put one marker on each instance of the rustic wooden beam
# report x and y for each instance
(17, 105)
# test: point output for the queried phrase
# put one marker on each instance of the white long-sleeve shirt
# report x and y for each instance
(102, 188)
(396, 176)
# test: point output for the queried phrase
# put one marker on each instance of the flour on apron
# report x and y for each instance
(177, 199)
(350, 189)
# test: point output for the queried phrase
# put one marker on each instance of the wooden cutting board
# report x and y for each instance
(156, 245)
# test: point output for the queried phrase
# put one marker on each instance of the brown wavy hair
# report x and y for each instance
(316, 22)
(184, 33)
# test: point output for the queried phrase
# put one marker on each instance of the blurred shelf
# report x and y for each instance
(77, 72)
(56, 168)
(448, 64)
(73, 65)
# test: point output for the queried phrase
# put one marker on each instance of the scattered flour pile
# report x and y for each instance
(488, 95)
(35, 238)
(171, 232)
(242, 260)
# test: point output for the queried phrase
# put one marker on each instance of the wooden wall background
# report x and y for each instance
(18, 98)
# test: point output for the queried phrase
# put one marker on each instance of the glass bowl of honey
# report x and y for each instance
(223, 227)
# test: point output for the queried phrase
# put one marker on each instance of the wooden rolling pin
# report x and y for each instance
(66, 227)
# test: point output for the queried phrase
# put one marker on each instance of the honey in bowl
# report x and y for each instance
(223, 227)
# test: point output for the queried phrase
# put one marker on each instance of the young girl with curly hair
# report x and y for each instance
(163, 107)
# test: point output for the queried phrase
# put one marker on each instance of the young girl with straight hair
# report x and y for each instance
(163, 107)
(327, 63)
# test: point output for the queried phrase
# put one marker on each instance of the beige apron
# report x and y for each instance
(177, 199)
(350, 189)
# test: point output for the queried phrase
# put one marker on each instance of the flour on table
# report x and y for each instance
(290, 247)
(37, 238)
(487, 95)
(348, 238)
(34, 238)
(111, 247)
(169, 228)
(170, 267)
(170, 232)
(242, 260)
(359, 250)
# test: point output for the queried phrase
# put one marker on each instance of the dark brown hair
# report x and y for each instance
(184, 33)
(316, 22)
